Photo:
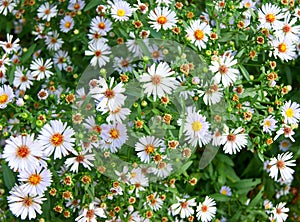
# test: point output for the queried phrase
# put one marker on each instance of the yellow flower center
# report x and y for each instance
(3, 98)
(101, 25)
(199, 34)
(289, 112)
(57, 139)
(35, 179)
(67, 25)
(285, 144)
(224, 192)
(114, 133)
(270, 18)
(149, 149)
(162, 20)
(267, 123)
(27, 201)
(282, 47)
(197, 126)
(121, 12)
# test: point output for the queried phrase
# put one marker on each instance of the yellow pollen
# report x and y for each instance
(35, 179)
(282, 47)
(162, 20)
(270, 18)
(289, 112)
(224, 192)
(121, 12)
(114, 133)
(196, 126)
(199, 34)
(267, 123)
(149, 149)
(67, 25)
(3, 98)
(57, 139)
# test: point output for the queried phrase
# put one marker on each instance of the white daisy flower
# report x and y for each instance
(9, 46)
(40, 70)
(47, 11)
(35, 181)
(284, 49)
(114, 135)
(291, 112)
(212, 95)
(285, 145)
(90, 214)
(3, 77)
(121, 10)
(57, 137)
(156, 53)
(269, 16)
(23, 78)
(117, 115)
(4, 61)
(101, 24)
(197, 32)
(141, 7)
(99, 50)
(196, 128)
(81, 158)
(225, 190)
(248, 4)
(287, 131)
(288, 29)
(76, 6)
(280, 212)
(146, 146)
(223, 71)
(162, 18)
(122, 65)
(61, 59)
(139, 182)
(269, 124)
(108, 97)
(7, 6)
(53, 41)
(162, 169)
(268, 205)
(206, 211)
(43, 94)
(66, 24)
(23, 205)
(183, 207)
(233, 142)
(6, 96)
(216, 137)
(157, 80)
(90, 124)
(282, 164)
(22, 153)
(154, 202)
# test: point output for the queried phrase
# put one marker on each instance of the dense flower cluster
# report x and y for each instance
(149, 111)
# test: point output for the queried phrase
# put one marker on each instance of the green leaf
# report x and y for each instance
(11, 75)
(29, 53)
(8, 176)
(256, 199)
(91, 5)
(244, 72)
(220, 197)
(184, 168)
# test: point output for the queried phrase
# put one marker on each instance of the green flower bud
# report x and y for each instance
(144, 103)
(146, 58)
(135, 105)
(5, 134)
(24, 115)
(39, 123)
(99, 118)
(103, 71)
(26, 97)
(208, 52)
